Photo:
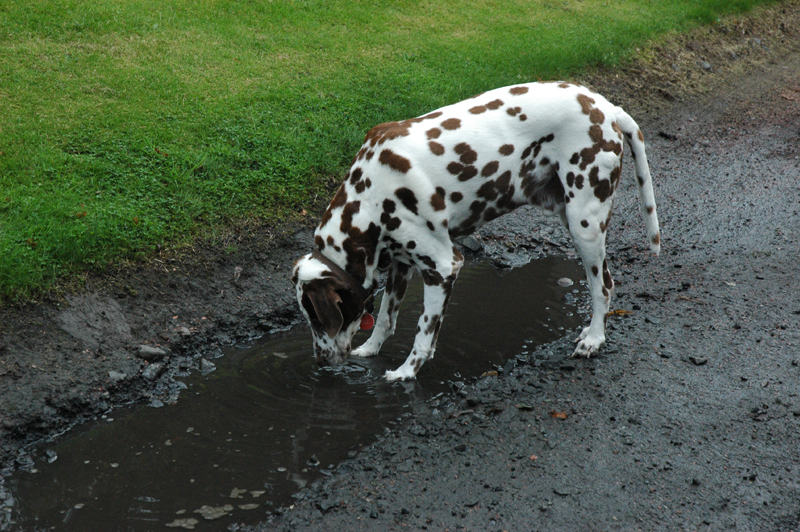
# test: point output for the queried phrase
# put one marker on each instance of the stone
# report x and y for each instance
(147, 352)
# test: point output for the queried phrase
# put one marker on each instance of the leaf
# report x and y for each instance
(491, 373)
(620, 312)
(559, 415)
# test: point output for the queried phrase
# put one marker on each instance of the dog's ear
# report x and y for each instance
(325, 302)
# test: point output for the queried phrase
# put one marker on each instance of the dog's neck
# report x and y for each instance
(361, 266)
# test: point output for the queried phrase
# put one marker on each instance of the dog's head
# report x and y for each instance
(333, 303)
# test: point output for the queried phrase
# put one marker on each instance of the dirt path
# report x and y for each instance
(690, 417)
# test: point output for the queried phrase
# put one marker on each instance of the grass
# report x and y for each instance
(127, 125)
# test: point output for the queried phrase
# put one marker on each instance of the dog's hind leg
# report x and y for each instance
(438, 278)
(589, 237)
(397, 278)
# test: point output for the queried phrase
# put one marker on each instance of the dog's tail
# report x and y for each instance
(644, 182)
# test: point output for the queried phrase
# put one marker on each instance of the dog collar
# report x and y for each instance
(358, 290)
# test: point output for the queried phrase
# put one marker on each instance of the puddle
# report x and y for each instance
(242, 439)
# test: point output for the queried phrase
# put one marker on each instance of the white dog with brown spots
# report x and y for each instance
(417, 184)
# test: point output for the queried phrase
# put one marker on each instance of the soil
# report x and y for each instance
(688, 419)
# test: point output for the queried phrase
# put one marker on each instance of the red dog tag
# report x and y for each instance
(367, 321)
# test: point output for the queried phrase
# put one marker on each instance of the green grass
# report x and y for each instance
(124, 125)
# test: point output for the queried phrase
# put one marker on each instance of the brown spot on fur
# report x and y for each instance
(455, 168)
(650, 209)
(392, 130)
(455, 197)
(584, 223)
(468, 155)
(390, 222)
(338, 200)
(596, 133)
(394, 161)
(349, 211)
(604, 225)
(596, 116)
(516, 91)
(388, 131)
(595, 270)
(407, 198)
(451, 124)
(614, 176)
(602, 188)
(493, 105)
(355, 176)
(436, 148)
(586, 103)
(319, 242)
(490, 168)
(360, 247)
(607, 281)
(639, 134)
(523, 117)
(506, 149)
(468, 173)
(434, 322)
(433, 133)
(437, 199)
(478, 109)
(488, 191)
(656, 240)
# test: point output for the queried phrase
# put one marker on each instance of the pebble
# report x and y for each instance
(237, 493)
(470, 242)
(183, 331)
(147, 352)
(214, 512)
(565, 282)
(206, 366)
(186, 523)
(152, 371)
(250, 506)
(117, 376)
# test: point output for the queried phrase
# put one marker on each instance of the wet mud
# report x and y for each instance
(260, 423)
(688, 419)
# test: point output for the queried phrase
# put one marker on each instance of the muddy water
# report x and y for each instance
(243, 438)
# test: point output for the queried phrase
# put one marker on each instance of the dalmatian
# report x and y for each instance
(418, 184)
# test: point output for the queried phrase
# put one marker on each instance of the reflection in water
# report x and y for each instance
(268, 421)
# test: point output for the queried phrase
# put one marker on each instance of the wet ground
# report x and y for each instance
(688, 419)
(262, 422)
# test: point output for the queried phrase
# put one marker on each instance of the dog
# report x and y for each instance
(416, 185)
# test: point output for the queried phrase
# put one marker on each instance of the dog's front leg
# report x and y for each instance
(436, 293)
(397, 278)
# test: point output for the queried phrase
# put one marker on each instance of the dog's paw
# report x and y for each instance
(587, 347)
(364, 351)
(398, 375)
(584, 334)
